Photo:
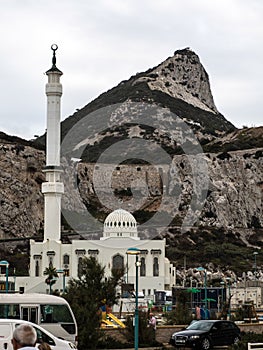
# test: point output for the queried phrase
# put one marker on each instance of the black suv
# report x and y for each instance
(205, 334)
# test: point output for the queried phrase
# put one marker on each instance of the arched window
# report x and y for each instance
(155, 267)
(80, 267)
(66, 259)
(143, 267)
(118, 262)
(37, 259)
(37, 268)
(50, 260)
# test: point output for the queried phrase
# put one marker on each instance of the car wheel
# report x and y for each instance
(205, 344)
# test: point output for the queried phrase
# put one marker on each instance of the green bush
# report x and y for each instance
(249, 337)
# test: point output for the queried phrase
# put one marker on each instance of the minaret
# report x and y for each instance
(53, 188)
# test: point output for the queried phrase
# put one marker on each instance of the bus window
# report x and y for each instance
(55, 313)
(33, 315)
(9, 311)
(25, 314)
(29, 313)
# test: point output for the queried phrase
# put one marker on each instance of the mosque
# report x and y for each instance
(119, 232)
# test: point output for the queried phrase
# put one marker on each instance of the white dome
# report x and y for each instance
(120, 223)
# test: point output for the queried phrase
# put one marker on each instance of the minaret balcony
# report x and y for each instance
(54, 89)
(52, 187)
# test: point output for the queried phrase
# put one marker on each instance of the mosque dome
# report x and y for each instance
(120, 223)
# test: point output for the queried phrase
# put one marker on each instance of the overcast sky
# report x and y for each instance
(103, 42)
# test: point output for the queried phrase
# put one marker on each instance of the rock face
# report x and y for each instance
(20, 190)
(234, 198)
(235, 194)
(179, 86)
(233, 201)
(182, 76)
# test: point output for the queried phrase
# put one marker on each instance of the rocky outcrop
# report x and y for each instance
(233, 199)
(182, 76)
(20, 190)
(235, 192)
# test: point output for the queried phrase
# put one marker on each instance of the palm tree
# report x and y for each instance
(51, 273)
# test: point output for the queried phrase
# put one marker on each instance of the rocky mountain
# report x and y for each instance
(180, 85)
(156, 145)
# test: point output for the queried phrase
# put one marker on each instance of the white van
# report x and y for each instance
(7, 327)
(49, 311)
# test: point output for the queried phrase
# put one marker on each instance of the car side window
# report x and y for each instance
(226, 325)
(44, 338)
(216, 326)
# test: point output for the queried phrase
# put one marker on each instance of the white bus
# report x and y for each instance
(51, 312)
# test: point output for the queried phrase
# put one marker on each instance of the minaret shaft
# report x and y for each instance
(53, 188)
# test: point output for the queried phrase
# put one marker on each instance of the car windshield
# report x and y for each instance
(200, 326)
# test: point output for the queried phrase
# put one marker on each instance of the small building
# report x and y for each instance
(247, 292)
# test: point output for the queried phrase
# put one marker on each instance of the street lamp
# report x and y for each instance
(255, 264)
(14, 279)
(6, 264)
(127, 264)
(222, 283)
(228, 279)
(205, 285)
(136, 252)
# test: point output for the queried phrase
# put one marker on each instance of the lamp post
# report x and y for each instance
(64, 281)
(14, 279)
(222, 294)
(127, 280)
(136, 252)
(205, 285)
(255, 265)
(229, 296)
(6, 264)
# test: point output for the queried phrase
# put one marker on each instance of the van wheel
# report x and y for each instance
(205, 345)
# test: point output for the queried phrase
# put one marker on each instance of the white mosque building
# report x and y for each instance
(119, 233)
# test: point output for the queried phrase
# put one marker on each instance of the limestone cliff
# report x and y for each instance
(182, 76)
(234, 198)
(20, 190)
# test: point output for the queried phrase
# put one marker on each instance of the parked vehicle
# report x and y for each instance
(7, 327)
(51, 312)
(205, 334)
